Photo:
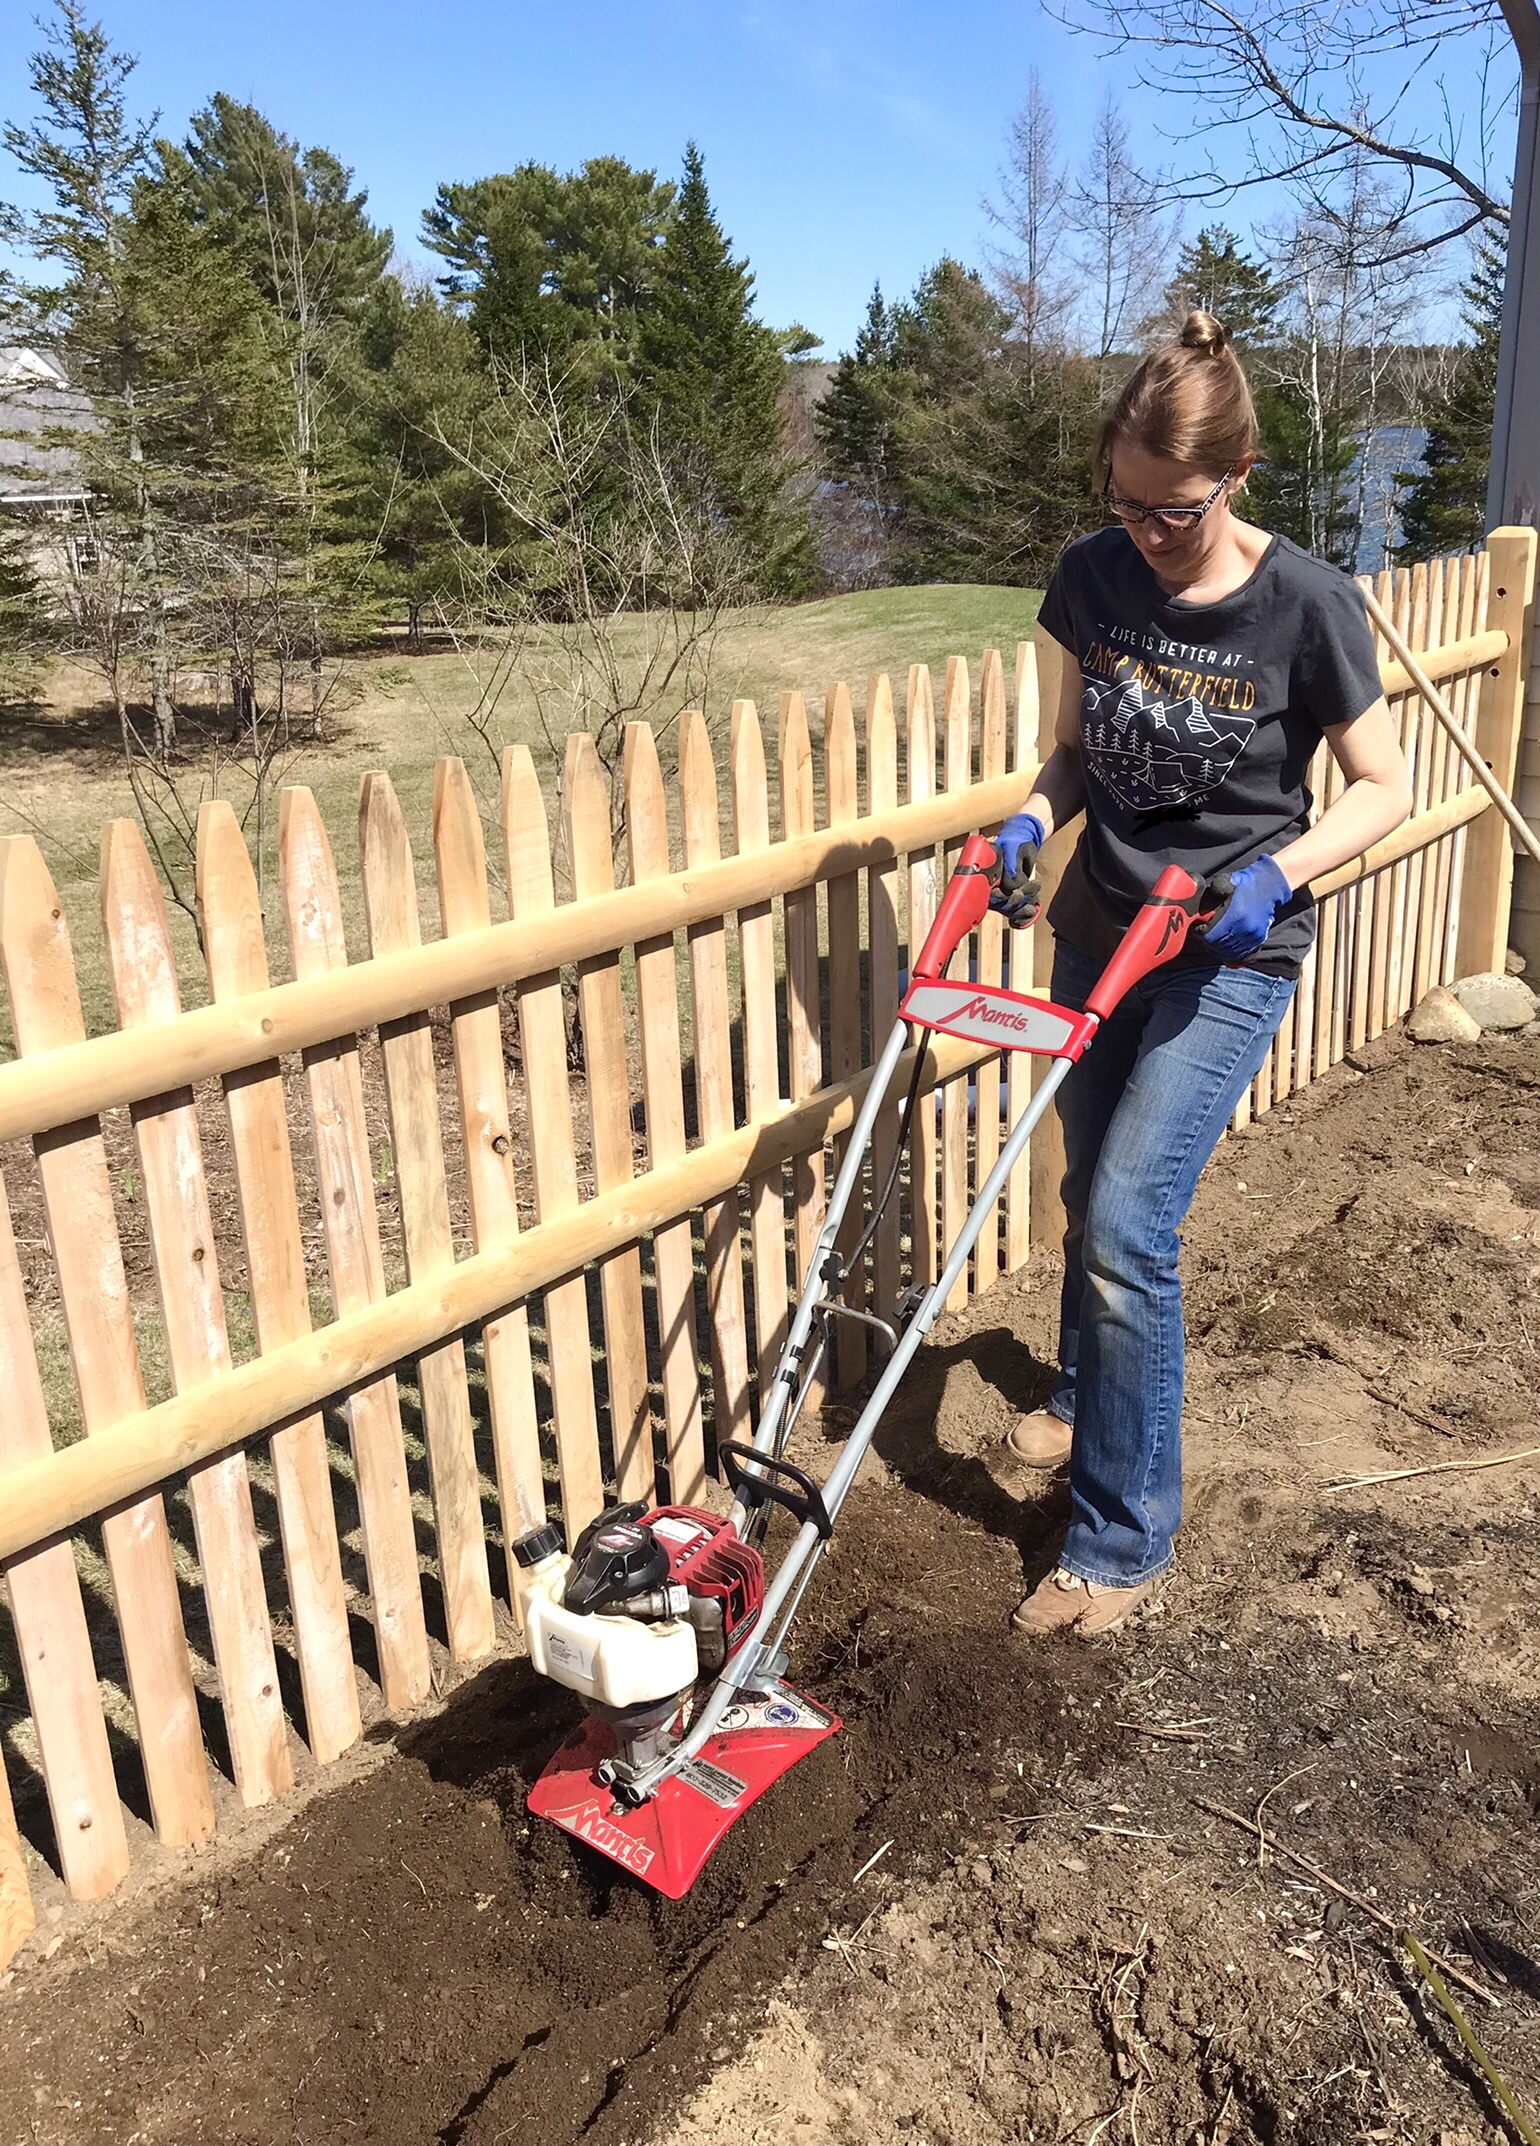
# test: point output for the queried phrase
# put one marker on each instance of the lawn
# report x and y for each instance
(61, 774)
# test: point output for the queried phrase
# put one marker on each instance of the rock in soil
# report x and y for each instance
(1497, 1001)
(1440, 1018)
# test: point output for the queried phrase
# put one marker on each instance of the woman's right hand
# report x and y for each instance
(1018, 896)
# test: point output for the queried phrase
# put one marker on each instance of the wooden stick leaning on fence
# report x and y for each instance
(1523, 833)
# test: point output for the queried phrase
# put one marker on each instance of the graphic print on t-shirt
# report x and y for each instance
(1157, 730)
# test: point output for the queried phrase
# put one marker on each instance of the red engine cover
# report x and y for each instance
(706, 1556)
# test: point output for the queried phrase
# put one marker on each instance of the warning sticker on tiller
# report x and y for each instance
(776, 1707)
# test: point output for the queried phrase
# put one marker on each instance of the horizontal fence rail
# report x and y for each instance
(310, 1295)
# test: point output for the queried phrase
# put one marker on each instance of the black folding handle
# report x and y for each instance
(798, 1495)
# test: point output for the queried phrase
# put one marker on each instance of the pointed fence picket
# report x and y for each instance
(417, 1151)
(445, 1096)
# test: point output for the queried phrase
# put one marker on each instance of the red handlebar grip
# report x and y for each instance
(1156, 935)
(962, 906)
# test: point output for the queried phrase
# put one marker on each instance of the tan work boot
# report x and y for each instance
(1064, 1603)
(1042, 1440)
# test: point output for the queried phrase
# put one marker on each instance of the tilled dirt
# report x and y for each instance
(1058, 1937)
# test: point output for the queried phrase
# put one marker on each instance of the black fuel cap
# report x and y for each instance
(538, 1543)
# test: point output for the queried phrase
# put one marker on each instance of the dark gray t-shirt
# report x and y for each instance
(1198, 722)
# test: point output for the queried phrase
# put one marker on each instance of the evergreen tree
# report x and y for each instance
(714, 375)
(1213, 275)
(286, 214)
(856, 421)
(419, 392)
(1444, 509)
(549, 265)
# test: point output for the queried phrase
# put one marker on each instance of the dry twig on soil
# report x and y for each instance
(1325, 1878)
(1436, 1467)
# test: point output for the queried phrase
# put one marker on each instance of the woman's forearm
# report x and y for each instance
(1060, 789)
(1367, 810)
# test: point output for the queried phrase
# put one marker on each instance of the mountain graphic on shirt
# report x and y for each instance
(1154, 753)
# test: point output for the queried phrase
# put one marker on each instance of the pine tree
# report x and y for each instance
(713, 375)
(1444, 509)
(549, 265)
(1213, 275)
(417, 393)
(287, 214)
(856, 420)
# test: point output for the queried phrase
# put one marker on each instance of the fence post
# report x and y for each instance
(957, 775)
(1486, 891)
(990, 1076)
(924, 894)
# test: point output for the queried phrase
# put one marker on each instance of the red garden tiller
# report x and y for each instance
(663, 1619)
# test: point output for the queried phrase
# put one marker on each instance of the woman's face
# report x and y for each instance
(1151, 481)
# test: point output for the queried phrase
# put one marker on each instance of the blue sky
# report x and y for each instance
(844, 141)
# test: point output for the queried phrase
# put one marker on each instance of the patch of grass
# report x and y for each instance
(61, 778)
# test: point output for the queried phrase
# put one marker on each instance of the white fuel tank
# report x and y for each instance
(617, 1660)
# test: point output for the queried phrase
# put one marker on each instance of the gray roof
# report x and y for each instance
(36, 399)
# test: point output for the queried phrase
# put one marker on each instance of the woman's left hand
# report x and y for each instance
(1256, 896)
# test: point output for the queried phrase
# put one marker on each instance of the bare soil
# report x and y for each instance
(1059, 1938)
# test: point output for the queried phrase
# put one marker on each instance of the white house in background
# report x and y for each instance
(40, 480)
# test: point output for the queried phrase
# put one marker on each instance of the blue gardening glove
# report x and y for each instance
(1018, 896)
(1255, 897)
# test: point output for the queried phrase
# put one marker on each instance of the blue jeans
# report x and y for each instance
(1142, 1113)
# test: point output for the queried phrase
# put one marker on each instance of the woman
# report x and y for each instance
(1204, 660)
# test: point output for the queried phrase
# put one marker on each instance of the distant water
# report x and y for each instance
(1393, 447)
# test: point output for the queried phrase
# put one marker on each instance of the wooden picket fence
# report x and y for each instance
(557, 1177)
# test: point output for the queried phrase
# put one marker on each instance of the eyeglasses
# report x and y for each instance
(1174, 518)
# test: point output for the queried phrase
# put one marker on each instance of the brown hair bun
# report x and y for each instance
(1187, 402)
(1200, 331)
